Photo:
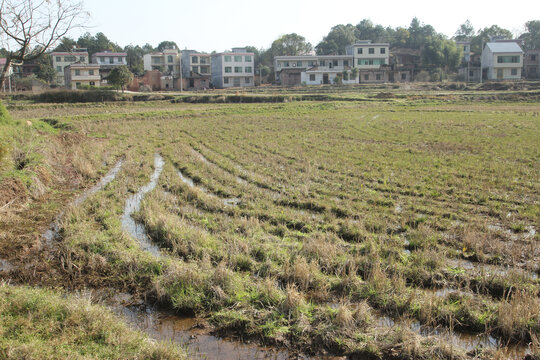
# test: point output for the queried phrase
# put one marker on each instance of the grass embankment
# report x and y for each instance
(347, 211)
(40, 324)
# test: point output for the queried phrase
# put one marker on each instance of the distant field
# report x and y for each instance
(395, 228)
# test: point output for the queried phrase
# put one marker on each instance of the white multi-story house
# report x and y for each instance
(109, 58)
(168, 62)
(233, 69)
(313, 69)
(371, 59)
(62, 59)
(502, 60)
(79, 74)
(107, 61)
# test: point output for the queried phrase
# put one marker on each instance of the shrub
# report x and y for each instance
(4, 114)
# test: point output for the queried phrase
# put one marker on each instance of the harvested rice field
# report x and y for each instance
(361, 228)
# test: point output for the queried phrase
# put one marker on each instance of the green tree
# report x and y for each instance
(45, 70)
(120, 77)
(290, 44)
(135, 59)
(465, 31)
(366, 30)
(531, 38)
(418, 33)
(166, 45)
(339, 37)
(97, 43)
(485, 34)
(441, 52)
(66, 44)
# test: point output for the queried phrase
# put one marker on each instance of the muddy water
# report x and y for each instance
(52, 232)
(133, 204)
(185, 331)
(465, 341)
(489, 269)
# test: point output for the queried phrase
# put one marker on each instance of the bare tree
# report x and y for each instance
(29, 27)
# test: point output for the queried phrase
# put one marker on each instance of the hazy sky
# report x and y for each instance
(207, 25)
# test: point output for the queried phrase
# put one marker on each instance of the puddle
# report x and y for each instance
(166, 326)
(53, 232)
(189, 181)
(489, 269)
(465, 341)
(5, 266)
(133, 204)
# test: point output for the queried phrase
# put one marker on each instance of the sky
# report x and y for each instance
(207, 25)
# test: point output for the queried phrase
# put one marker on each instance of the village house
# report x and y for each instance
(80, 74)
(107, 61)
(469, 69)
(233, 69)
(7, 83)
(61, 60)
(531, 64)
(502, 60)
(372, 60)
(167, 62)
(313, 69)
(196, 70)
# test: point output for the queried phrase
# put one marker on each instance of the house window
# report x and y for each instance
(312, 63)
(360, 51)
(82, 58)
(378, 76)
(345, 62)
(471, 73)
(227, 58)
(90, 72)
(366, 77)
(237, 69)
(92, 83)
(77, 72)
(248, 58)
(311, 77)
(322, 63)
(58, 58)
(225, 80)
(508, 59)
(170, 58)
(248, 80)
(170, 67)
(383, 50)
(238, 59)
(228, 69)
(111, 60)
(101, 59)
(119, 59)
(299, 64)
(59, 68)
(204, 70)
(203, 60)
(286, 64)
(370, 61)
(514, 72)
(69, 58)
(335, 62)
(403, 76)
(371, 50)
(533, 57)
(195, 68)
(248, 69)
(77, 85)
(194, 59)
